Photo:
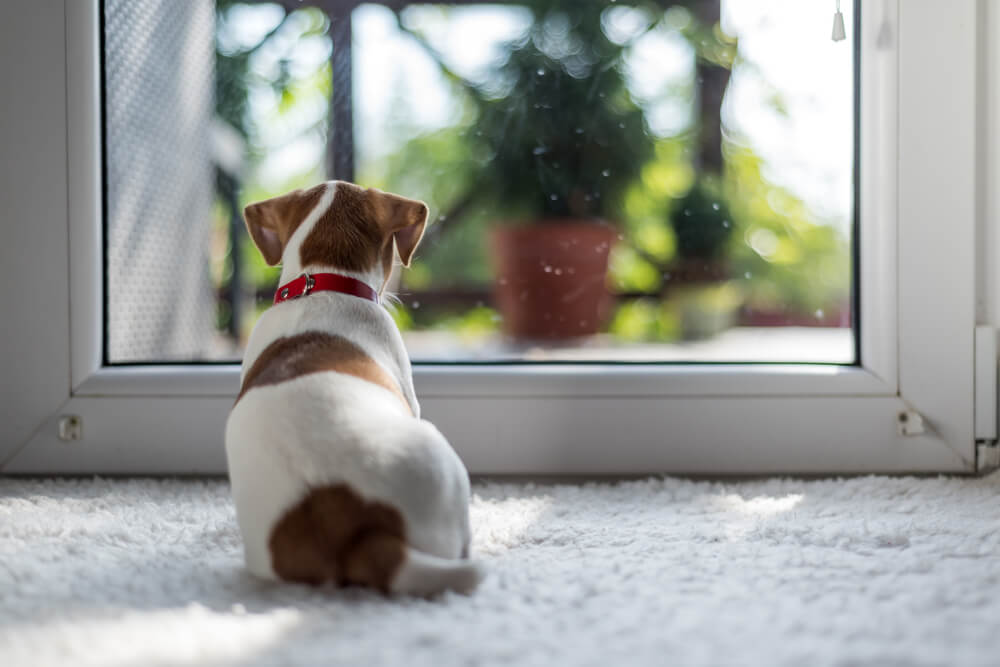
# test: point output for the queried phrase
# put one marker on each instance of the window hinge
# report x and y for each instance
(987, 456)
(985, 383)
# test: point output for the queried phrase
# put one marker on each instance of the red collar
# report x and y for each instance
(324, 282)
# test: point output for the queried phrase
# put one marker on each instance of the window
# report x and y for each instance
(642, 182)
(912, 393)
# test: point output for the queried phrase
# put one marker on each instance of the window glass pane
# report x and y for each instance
(625, 181)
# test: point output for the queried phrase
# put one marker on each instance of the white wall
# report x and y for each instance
(34, 355)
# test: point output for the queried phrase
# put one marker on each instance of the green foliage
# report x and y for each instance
(564, 137)
(631, 272)
(440, 166)
(557, 133)
(568, 138)
(711, 44)
(401, 316)
(702, 223)
(790, 261)
(470, 324)
(235, 74)
(645, 320)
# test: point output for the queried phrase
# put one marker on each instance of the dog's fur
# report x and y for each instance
(334, 475)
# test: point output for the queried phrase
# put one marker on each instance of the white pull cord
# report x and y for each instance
(839, 34)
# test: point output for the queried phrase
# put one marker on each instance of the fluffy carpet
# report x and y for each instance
(867, 571)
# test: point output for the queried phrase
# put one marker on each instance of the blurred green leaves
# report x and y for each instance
(556, 132)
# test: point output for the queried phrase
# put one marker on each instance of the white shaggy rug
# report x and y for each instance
(869, 571)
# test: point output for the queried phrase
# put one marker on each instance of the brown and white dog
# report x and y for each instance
(334, 475)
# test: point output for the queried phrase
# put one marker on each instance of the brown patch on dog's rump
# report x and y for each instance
(314, 352)
(335, 535)
(347, 236)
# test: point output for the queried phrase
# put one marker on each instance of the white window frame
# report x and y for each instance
(923, 127)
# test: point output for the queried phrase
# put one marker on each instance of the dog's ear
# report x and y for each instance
(403, 218)
(263, 224)
(273, 221)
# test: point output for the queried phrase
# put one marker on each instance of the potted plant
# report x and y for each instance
(699, 286)
(564, 140)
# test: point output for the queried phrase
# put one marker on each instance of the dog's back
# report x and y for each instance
(335, 483)
(334, 476)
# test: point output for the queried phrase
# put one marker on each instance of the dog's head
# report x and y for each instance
(337, 225)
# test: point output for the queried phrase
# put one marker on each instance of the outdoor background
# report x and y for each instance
(710, 143)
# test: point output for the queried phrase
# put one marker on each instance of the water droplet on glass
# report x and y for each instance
(606, 173)
(687, 212)
(666, 275)
(539, 150)
(715, 206)
(621, 237)
(747, 275)
(558, 272)
(819, 314)
(548, 269)
(540, 72)
(553, 197)
(415, 305)
(579, 130)
(725, 224)
(621, 126)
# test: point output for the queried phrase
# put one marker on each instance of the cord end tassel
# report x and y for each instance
(839, 33)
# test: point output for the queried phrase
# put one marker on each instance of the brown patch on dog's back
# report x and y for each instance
(335, 535)
(315, 352)
(347, 236)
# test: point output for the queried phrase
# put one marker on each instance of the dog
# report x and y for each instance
(335, 477)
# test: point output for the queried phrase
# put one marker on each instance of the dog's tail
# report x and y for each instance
(412, 572)
(423, 574)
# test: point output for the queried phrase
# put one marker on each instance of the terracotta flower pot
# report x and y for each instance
(551, 278)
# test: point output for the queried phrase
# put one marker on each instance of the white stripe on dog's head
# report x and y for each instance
(291, 257)
(337, 226)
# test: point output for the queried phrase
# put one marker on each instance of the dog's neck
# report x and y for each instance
(292, 268)
(372, 278)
